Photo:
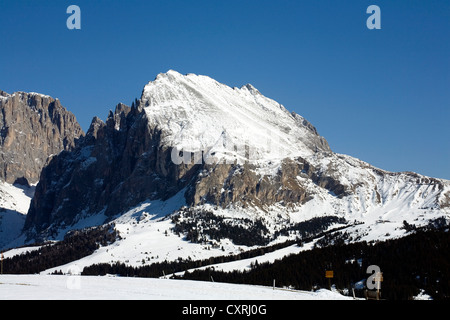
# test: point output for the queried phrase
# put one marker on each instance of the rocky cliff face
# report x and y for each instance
(118, 164)
(33, 127)
(225, 149)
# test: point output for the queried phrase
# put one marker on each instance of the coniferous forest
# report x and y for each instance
(75, 245)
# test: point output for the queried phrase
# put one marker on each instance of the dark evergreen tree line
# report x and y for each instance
(202, 226)
(75, 245)
(312, 227)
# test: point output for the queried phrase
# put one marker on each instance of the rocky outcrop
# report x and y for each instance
(224, 185)
(118, 164)
(32, 127)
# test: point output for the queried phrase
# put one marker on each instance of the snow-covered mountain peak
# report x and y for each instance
(197, 113)
(250, 88)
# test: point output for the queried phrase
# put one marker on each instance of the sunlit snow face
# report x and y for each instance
(206, 121)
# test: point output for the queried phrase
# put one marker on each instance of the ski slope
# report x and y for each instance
(51, 287)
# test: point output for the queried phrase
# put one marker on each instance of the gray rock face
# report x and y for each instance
(225, 185)
(117, 165)
(33, 127)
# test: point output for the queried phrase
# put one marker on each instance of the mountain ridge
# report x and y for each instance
(127, 170)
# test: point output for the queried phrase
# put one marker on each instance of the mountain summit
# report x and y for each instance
(197, 113)
(219, 159)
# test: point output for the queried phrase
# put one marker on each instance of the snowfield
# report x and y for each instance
(58, 287)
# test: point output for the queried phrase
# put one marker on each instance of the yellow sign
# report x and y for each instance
(329, 274)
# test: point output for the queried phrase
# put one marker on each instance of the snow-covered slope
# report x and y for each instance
(14, 204)
(38, 287)
(381, 200)
(15, 197)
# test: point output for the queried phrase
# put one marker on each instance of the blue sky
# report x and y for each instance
(380, 95)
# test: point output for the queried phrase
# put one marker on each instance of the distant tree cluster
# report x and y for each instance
(202, 226)
(333, 238)
(75, 245)
(312, 227)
